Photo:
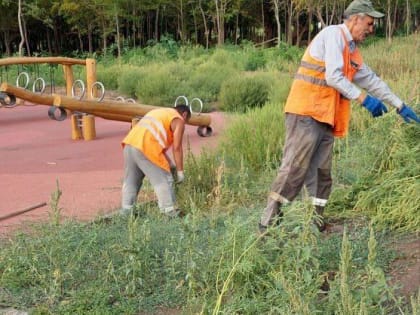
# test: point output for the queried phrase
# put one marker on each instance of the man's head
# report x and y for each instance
(184, 111)
(360, 17)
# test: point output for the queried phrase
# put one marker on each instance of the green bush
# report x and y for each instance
(128, 80)
(109, 75)
(241, 93)
(281, 83)
(161, 85)
(256, 60)
(206, 79)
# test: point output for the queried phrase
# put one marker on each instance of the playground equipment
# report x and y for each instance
(82, 110)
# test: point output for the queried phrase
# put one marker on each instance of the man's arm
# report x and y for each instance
(369, 81)
(178, 127)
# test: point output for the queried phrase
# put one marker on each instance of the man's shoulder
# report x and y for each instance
(331, 29)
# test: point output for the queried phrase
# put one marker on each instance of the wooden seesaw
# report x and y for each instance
(83, 111)
(111, 110)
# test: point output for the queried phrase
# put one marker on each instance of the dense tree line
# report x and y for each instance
(62, 27)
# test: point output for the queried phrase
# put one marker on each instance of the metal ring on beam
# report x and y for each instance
(120, 99)
(26, 76)
(42, 87)
(81, 86)
(101, 88)
(7, 100)
(183, 97)
(130, 100)
(204, 131)
(199, 102)
(57, 113)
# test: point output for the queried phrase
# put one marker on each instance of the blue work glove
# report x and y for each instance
(375, 106)
(408, 114)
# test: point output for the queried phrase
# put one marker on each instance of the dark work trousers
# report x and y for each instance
(307, 149)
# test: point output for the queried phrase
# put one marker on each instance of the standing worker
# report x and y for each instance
(318, 109)
(145, 155)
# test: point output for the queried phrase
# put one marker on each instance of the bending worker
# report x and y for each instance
(318, 108)
(145, 155)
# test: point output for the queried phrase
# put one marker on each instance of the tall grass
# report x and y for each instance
(212, 261)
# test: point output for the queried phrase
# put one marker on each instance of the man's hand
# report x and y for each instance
(374, 106)
(180, 177)
(408, 114)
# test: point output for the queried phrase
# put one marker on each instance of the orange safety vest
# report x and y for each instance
(311, 96)
(152, 135)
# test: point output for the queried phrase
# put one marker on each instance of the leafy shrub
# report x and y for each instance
(206, 79)
(280, 83)
(256, 60)
(161, 85)
(109, 76)
(240, 93)
(128, 80)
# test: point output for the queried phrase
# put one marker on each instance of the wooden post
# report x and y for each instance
(90, 77)
(68, 76)
(76, 130)
(88, 127)
(89, 132)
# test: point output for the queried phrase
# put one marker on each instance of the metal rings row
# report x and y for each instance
(79, 84)
(190, 105)
(123, 100)
(37, 87)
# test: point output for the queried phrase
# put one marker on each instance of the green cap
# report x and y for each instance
(362, 6)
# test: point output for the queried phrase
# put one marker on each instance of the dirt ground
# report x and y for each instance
(37, 154)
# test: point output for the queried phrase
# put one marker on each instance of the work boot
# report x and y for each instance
(177, 213)
(319, 220)
(272, 215)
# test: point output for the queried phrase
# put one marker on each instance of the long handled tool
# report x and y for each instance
(14, 214)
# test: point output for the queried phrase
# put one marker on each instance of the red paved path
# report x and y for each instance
(36, 152)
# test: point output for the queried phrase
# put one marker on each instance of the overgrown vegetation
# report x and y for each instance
(213, 261)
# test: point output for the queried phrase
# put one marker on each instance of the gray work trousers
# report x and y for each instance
(307, 150)
(136, 167)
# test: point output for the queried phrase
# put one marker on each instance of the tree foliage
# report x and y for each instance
(65, 27)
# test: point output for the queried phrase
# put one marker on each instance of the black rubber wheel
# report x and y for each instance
(204, 131)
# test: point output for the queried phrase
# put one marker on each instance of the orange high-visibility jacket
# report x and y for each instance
(152, 135)
(311, 96)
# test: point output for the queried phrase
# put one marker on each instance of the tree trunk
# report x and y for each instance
(25, 32)
(157, 37)
(263, 20)
(310, 17)
(277, 16)
(117, 24)
(289, 22)
(79, 35)
(104, 35)
(194, 15)
(6, 36)
(408, 18)
(220, 21)
(50, 51)
(22, 35)
(206, 30)
(90, 44)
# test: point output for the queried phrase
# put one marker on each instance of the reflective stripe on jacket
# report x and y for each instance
(311, 96)
(152, 135)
